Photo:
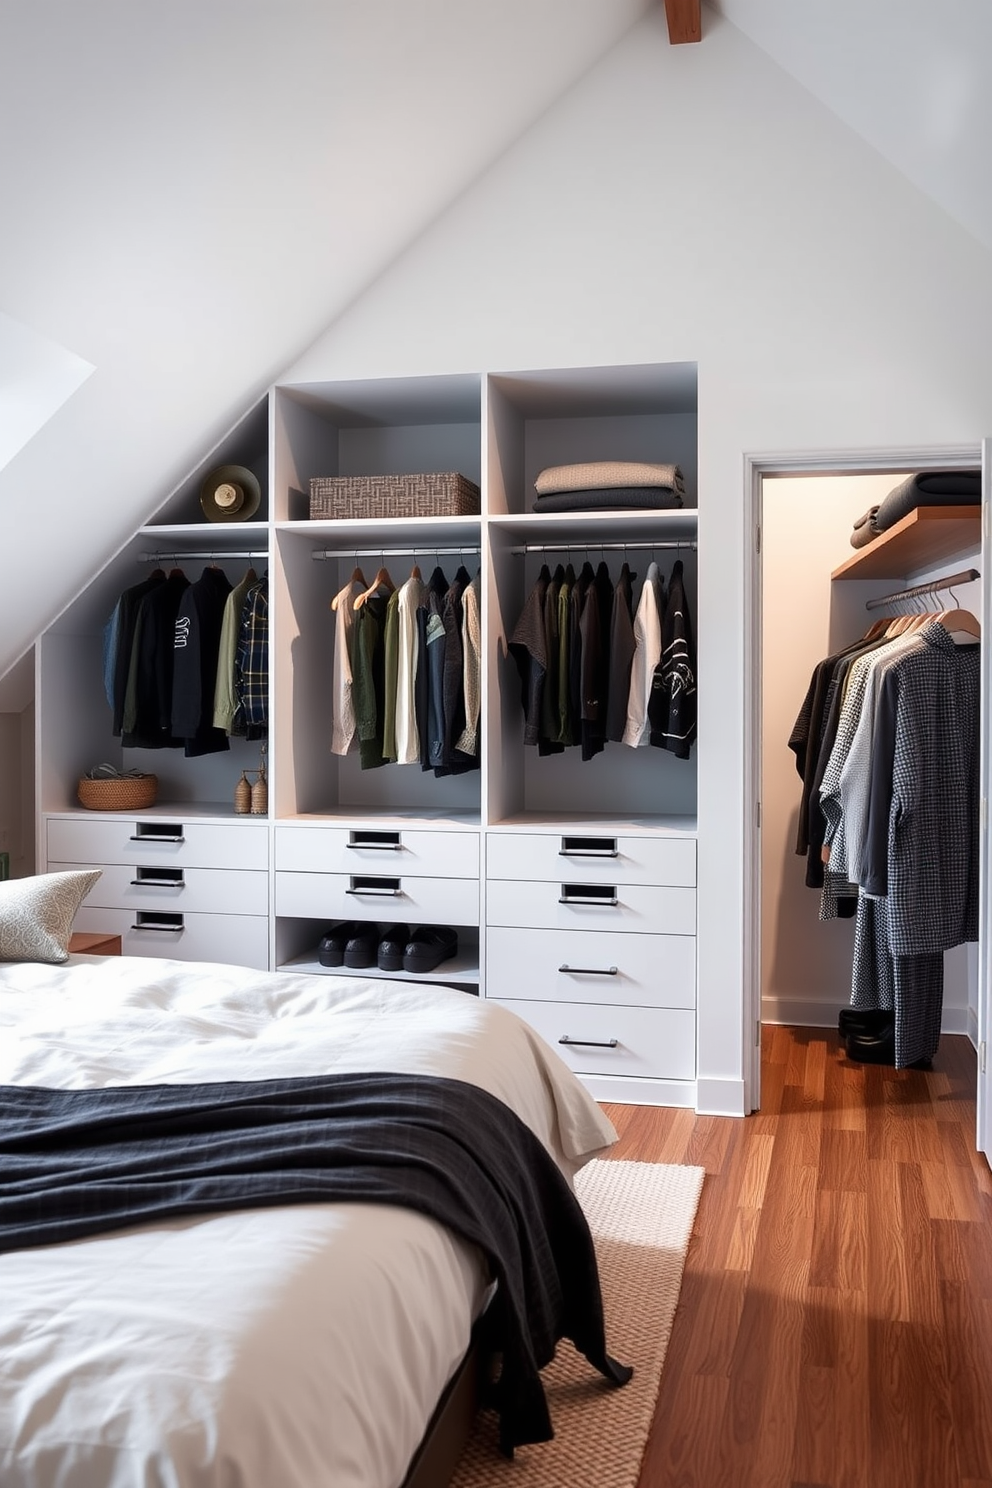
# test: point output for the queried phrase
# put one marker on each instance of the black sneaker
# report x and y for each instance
(363, 945)
(391, 947)
(330, 952)
(429, 946)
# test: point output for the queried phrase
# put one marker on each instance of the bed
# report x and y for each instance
(294, 1345)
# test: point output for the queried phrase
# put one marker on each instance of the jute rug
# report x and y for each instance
(641, 1216)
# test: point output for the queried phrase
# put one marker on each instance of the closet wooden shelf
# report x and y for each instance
(924, 537)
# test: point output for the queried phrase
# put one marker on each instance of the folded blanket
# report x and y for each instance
(641, 498)
(602, 473)
(929, 488)
(865, 530)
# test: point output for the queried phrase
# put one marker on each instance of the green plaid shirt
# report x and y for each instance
(253, 662)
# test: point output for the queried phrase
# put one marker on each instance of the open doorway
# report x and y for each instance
(801, 965)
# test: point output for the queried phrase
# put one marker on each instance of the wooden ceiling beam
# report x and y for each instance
(684, 22)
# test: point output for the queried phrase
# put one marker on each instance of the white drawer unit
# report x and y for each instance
(592, 906)
(636, 970)
(242, 940)
(402, 852)
(594, 857)
(591, 937)
(155, 840)
(637, 1042)
(162, 887)
(379, 896)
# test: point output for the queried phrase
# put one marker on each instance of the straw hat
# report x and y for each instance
(230, 494)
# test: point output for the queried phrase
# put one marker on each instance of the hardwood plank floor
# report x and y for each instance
(834, 1328)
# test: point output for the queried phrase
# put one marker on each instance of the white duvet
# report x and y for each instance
(296, 1347)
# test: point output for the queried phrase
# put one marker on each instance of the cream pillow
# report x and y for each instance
(36, 914)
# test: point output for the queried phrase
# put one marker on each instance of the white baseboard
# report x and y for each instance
(720, 1097)
(631, 1091)
(806, 1013)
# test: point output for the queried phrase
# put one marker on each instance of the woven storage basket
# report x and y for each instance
(127, 793)
(437, 494)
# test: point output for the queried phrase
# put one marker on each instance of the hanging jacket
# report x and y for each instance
(672, 702)
(194, 676)
(147, 721)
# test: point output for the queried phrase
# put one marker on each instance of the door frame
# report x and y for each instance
(845, 462)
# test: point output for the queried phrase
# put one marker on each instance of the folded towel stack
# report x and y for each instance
(926, 488)
(605, 485)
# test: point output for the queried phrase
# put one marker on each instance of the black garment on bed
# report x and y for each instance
(82, 1162)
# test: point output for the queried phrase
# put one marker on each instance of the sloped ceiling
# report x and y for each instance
(914, 79)
(192, 191)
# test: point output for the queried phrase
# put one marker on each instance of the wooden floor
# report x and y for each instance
(834, 1328)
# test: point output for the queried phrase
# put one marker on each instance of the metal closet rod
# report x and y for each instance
(936, 586)
(424, 549)
(177, 553)
(599, 547)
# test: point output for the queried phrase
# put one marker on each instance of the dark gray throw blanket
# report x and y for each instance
(81, 1162)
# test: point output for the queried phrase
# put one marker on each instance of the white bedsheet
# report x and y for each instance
(296, 1347)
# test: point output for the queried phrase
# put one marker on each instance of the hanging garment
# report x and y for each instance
(594, 632)
(550, 719)
(369, 680)
(126, 609)
(194, 676)
(528, 647)
(343, 724)
(391, 645)
(252, 662)
(647, 654)
(453, 675)
(430, 673)
(147, 719)
(410, 596)
(468, 741)
(225, 691)
(672, 700)
(567, 726)
(576, 605)
(622, 647)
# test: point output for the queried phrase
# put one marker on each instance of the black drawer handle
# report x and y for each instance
(589, 970)
(589, 1043)
(377, 841)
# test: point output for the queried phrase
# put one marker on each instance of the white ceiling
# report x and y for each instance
(192, 191)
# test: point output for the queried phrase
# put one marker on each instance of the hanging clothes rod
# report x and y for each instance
(936, 586)
(600, 547)
(425, 548)
(213, 553)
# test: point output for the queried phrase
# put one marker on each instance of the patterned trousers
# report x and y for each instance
(912, 987)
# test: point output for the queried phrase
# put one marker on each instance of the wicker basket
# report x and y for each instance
(126, 793)
(437, 494)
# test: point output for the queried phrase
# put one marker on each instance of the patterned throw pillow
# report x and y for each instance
(36, 914)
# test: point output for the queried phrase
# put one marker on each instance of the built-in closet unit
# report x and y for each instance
(571, 883)
(184, 878)
(819, 593)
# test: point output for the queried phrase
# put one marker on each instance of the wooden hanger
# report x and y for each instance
(415, 572)
(357, 577)
(960, 623)
(381, 581)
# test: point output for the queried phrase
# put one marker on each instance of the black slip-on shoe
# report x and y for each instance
(330, 952)
(869, 1048)
(429, 946)
(873, 1021)
(363, 945)
(391, 947)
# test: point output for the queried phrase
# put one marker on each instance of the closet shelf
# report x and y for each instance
(924, 537)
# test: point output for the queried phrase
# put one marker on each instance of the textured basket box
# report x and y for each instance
(123, 793)
(436, 494)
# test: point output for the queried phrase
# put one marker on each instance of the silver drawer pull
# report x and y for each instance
(377, 841)
(589, 970)
(150, 838)
(588, 847)
(167, 924)
(391, 887)
(602, 894)
(159, 878)
(589, 1043)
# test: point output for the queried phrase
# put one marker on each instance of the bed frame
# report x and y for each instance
(450, 1426)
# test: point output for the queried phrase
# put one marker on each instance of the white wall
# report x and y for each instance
(694, 203)
(17, 790)
(806, 526)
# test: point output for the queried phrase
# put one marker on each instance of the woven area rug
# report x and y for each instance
(641, 1216)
